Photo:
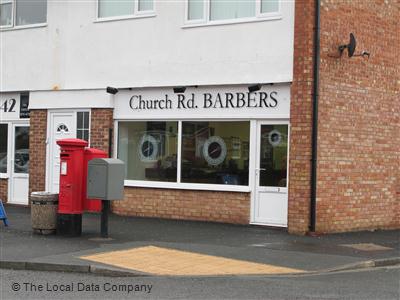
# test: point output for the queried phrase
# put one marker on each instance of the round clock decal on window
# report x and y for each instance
(214, 150)
(148, 148)
(274, 138)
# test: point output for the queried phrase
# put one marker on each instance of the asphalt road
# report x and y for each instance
(377, 283)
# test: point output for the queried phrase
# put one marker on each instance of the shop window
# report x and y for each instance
(215, 152)
(121, 8)
(3, 147)
(21, 146)
(208, 11)
(149, 150)
(82, 125)
(22, 12)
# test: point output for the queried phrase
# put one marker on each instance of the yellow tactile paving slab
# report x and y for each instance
(163, 261)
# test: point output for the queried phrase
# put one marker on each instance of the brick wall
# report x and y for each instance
(228, 207)
(359, 119)
(4, 190)
(101, 121)
(301, 119)
(37, 150)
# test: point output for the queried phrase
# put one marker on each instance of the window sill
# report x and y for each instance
(4, 176)
(232, 21)
(23, 27)
(121, 18)
(187, 186)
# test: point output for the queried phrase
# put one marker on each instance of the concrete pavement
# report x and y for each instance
(180, 248)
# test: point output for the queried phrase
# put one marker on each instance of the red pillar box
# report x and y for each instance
(91, 205)
(70, 207)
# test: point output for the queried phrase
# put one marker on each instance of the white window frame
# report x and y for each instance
(13, 15)
(9, 131)
(205, 21)
(183, 185)
(135, 15)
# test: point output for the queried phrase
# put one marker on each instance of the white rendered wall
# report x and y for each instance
(75, 52)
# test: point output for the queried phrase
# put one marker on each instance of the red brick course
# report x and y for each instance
(37, 150)
(4, 190)
(227, 207)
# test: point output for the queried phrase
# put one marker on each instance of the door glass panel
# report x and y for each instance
(21, 154)
(273, 155)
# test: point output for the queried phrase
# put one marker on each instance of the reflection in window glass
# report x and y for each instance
(149, 150)
(145, 5)
(30, 12)
(196, 9)
(225, 10)
(113, 8)
(5, 13)
(3, 147)
(215, 152)
(21, 156)
(273, 155)
(268, 6)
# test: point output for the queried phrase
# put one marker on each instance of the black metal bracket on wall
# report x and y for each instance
(110, 142)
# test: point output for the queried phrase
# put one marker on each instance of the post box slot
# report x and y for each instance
(64, 155)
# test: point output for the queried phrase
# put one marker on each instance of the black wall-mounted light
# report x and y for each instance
(254, 87)
(112, 90)
(179, 89)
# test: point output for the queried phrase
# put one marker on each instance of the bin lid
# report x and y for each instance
(72, 142)
(44, 196)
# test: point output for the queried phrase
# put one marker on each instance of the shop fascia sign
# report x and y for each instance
(203, 102)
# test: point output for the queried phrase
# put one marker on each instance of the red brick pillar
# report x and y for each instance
(4, 190)
(301, 119)
(37, 150)
(100, 124)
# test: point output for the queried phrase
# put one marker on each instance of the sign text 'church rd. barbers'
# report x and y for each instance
(206, 101)
(203, 102)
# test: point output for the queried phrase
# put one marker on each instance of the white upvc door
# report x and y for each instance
(61, 125)
(270, 199)
(19, 175)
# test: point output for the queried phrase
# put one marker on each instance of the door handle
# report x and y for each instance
(258, 170)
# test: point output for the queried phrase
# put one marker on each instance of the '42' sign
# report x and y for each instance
(8, 105)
